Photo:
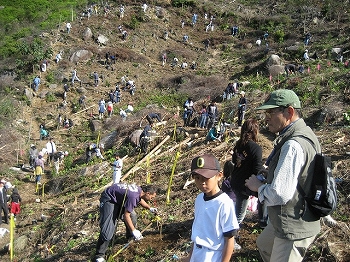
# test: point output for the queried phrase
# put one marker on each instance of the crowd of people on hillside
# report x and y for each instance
(244, 176)
(228, 192)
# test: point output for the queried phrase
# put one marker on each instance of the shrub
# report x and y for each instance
(50, 77)
(134, 23)
(50, 97)
(183, 3)
(279, 36)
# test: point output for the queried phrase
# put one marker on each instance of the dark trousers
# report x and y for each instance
(109, 213)
(49, 158)
(241, 114)
(5, 209)
(144, 143)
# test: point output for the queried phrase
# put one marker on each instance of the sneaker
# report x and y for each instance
(100, 259)
(237, 246)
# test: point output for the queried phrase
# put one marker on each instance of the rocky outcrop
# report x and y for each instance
(81, 56)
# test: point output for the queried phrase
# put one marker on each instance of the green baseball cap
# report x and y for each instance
(281, 97)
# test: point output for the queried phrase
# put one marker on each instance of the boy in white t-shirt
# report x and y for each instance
(215, 222)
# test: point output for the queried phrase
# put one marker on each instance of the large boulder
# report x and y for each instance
(109, 140)
(135, 137)
(102, 40)
(87, 34)
(95, 125)
(21, 243)
(276, 70)
(274, 60)
(53, 86)
(81, 56)
(81, 90)
(28, 93)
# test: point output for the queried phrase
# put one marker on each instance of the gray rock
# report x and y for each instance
(95, 125)
(109, 140)
(135, 137)
(52, 86)
(87, 34)
(293, 47)
(21, 243)
(28, 93)
(81, 90)
(101, 39)
(81, 56)
(274, 60)
(276, 70)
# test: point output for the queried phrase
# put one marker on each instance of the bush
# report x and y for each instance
(134, 23)
(50, 77)
(50, 97)
(183, 3)
(279, 36)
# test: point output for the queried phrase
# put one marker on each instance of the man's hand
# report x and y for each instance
(153, 210)
(137, 235)
(253, 183)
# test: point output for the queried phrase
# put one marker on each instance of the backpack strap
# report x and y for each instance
(299, 188)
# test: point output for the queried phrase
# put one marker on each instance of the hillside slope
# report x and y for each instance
(69, 201)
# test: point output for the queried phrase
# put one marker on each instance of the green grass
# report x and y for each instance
(22, 18)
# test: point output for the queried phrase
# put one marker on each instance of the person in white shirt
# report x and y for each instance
(258, 42)
(68, 26)
(215, 222)
(50, 149)
(117, 168)
(58, 57)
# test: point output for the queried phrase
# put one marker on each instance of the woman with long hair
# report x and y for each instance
(247, 160)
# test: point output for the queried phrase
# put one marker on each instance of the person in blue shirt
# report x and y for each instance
(36, 83)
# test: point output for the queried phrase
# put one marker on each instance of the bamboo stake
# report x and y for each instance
(145, 158)
(171, 177)
(137, 165)
(82, 110)
(12, 229)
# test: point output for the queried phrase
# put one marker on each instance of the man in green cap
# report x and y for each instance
(292, 227)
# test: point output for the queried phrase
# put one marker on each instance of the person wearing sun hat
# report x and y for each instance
(215, 222)
(33, 154)
(292, 227)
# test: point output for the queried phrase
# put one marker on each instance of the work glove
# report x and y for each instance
(329, 221)
(153, 210)
(137, 235)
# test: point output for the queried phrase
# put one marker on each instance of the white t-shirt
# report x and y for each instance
(117, 166)
(50, 147)
(212, 218)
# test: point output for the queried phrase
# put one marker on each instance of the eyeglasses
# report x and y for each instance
(274, 111)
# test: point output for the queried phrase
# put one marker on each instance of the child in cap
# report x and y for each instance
(215, 222)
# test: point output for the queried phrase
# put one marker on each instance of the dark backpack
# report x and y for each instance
(321, 197)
